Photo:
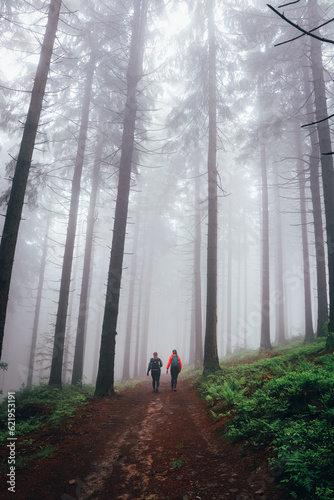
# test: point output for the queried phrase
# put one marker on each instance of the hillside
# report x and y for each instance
(140, 445)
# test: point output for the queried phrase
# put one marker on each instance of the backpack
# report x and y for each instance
(175, 362)
(155, 364)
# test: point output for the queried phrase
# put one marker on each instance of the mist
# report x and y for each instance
(261, 108)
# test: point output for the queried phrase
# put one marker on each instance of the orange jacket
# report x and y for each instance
(170, 361)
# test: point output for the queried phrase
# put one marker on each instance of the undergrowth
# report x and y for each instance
(42, 405)
(283, 403)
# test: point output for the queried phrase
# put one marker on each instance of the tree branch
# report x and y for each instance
(305, 32)
(286, 4)
(318, 121)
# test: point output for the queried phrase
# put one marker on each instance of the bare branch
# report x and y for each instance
(286, 4)
(305, 32)
(318, 121)
(15, 90)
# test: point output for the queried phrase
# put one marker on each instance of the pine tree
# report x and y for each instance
(18, 190)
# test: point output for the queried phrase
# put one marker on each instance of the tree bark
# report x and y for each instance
(132, 287)
(322, 300)
(16, 200)
(279, 298)
(59, 338)
(77, 372)
(198, 354)
(309, 333)
(138, 320)
(326, 159)
(211, 361)
(228, 350)
(38, 307)
(105, 377)
(265, 343)
(145, 313)
(245, 325)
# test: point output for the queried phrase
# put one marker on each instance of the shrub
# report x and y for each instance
(285, 404)
(42, 405)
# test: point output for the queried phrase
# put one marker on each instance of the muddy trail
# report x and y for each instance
(140, 445)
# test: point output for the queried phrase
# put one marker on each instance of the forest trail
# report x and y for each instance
(141, 445)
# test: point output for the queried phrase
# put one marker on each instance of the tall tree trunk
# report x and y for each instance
(228, 351)
(279, 298)
(192, 338)
(16, 200)
(321, 114)
(69, 336)
(309, 333)
(265, 343)
(105, 377)
(59, 338)
(245, 326)
(142, 366)
(97, 346)
(77, 372)
(197, 277)
(138, 322)
(132, 288)
(38, 306)
(322, 300)
(238, 292)
(211, 361)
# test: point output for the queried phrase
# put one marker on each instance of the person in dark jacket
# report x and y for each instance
(175, 365)
(154, 366)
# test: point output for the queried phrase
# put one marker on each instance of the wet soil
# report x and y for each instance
(140, 445)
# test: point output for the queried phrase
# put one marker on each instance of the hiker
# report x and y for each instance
(175, 365)
(155, 365)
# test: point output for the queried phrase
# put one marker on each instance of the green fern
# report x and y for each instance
(286, 404)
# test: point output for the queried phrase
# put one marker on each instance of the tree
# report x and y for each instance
(105, 377)
(265, 343)
(280, 309)
(326, 160)
(211, 361)
(309, 333)
(322, 302)
(59, 338)
(18, 190)
(198, 341)
(229, 281)
(132, 286)
(321, 115)
(77, 372)
(38, 307)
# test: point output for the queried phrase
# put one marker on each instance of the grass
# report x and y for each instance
(177, 464)
(283, 404)
(42, 405)
(46, 452)
(128, 384)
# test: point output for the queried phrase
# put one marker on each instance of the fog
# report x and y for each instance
(170, 144)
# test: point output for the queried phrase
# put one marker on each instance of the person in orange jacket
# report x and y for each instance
(175, 365)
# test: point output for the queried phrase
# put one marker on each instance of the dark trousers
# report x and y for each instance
(155, 378)
(174, 371)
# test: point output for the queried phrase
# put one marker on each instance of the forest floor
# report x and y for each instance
(140, 445)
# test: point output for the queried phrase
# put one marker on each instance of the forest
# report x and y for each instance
(166, 182)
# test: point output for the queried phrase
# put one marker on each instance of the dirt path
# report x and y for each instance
(140, 445)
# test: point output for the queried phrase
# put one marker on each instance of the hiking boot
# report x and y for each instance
(174, 389)
(157, 390)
